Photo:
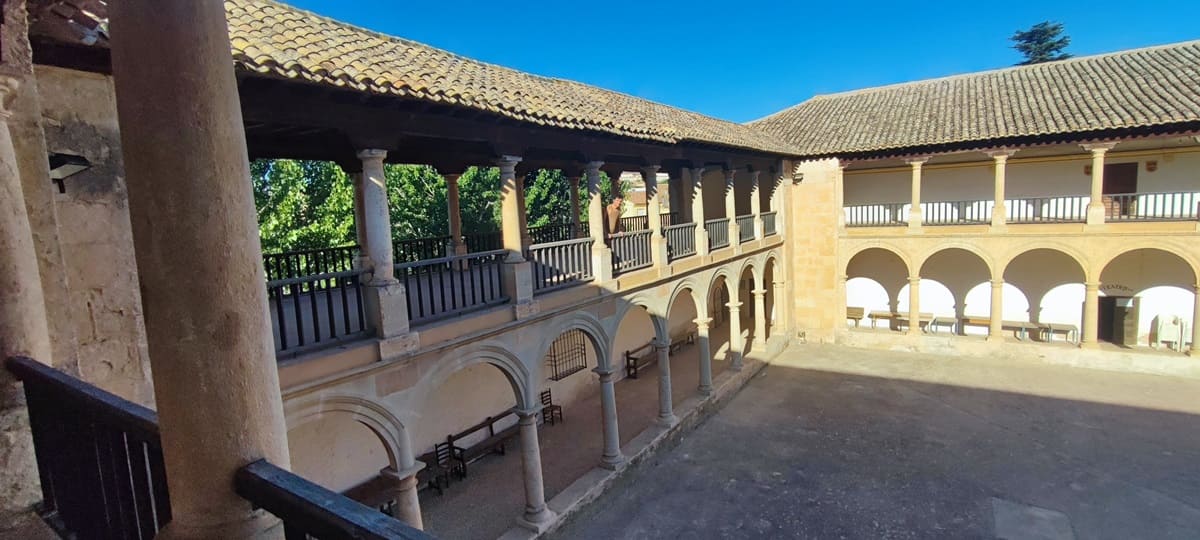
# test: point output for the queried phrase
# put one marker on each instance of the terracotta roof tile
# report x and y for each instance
(1130, 89)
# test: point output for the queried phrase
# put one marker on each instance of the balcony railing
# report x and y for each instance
(768, 223)
(561, 264)
(1179, 206)
(638, 223)
(718, 232)
(876, 215)
(956, 212)
(745, 228)
(630, 250)
(100, 464)
(449, 286)
(554, 232)
(307, 262)
(420, 249)
(1068, 209)
(681, 240)
(316, 310)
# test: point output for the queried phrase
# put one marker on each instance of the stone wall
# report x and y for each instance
(812, 248)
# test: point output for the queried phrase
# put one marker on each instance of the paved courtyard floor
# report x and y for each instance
(833, 442)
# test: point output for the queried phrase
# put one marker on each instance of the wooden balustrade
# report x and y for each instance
(560, 264)
(630, 250)
(718, 232)
(745, 228)
(448, 286)
(769, 223)
(681, 240)
(316, 310)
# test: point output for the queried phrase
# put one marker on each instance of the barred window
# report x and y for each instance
(568, 355)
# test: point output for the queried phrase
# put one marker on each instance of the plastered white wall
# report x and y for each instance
(336, 451)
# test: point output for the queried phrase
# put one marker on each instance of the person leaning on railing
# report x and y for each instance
(612, 215)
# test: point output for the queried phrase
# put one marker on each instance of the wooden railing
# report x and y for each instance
(100, 464)
(448, 286)
(630, 250)
(419, 249)
(1068, 209)
(956, 212)
(875, 215)
(639, 223)
(483, 241)
(718, 232)
(99, 457)
(681, 240)
(307, 262)
(768, 223)
(745, 228)
(1178, 206)
(554, 232)
(311, 511)
(316, 310)
(559, 264)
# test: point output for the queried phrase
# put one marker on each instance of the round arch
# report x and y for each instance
(386, 426)
(491, 353)
(885, 247)
(1164, 253)
(659, 320)
(591, 327)
(691, 287)
(1066, 250)
(945, 247)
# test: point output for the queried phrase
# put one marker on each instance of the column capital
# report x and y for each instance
(702, 322)
(759, 292)
(997, 283)
(729, 174)
(913, 280)
(650, 170)
(604, 373)
(1099, 147)
(1092, 285)
(451, 177)
(734, 306)
(407, 472)
(916, 161)
(754, 175)
(697, 170)
(593, 167)
(372, 154)
(508, 163)
(1000, 154)
(529, 413)
(780, 283)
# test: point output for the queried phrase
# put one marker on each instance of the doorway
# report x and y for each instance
(1119, 179)
(1118, 319)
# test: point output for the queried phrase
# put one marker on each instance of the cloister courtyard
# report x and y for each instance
(835, 442)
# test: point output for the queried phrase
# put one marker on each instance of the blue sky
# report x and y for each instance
(746, 59)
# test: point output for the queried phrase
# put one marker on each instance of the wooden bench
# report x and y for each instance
(940, 321)
(677, 342)
(494, 443)
(1020, 329)
(856, 314)
(923, 319)
(877, 316)
(639, 358)
(1070, 332)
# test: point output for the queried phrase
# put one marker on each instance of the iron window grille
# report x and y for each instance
(568, 355)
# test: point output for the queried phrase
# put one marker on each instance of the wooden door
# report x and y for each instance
(1119, 179)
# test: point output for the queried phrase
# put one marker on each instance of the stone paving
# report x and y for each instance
(833, 442)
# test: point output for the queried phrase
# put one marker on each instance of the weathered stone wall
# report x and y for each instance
(79, 117)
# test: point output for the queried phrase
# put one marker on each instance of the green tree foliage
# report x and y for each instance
(1043, 42)
(302, 204)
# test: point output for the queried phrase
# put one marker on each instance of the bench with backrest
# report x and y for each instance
(923, 319)
(639, 358)
(441, 464)
(493, 442)
(677, 342)
(1070, 332)
(855, 314)
(877, 316)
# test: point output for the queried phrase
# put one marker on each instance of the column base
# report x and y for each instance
(1095, 214)
(758, 345)
(1089, 345)
(538, 522)
(396, 346)
(602, 261)
(705, 390)
(612, 463)
(667, 421)
(516, 280)
(526, 310)
(386, 305)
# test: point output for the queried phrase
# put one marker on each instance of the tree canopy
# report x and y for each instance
(1043, 42)
(310, 204)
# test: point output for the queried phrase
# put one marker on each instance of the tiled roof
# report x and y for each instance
(273, 38)
(1140, 88)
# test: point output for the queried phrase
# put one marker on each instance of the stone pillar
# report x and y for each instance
(612, 457)
(576, 226)
(537, 515)
(211, 352)
(996, 321)
(756, 205)
(760, 320)
(457, 246)
(731, 211)
(705, 352)
(1091, 315)
(385, 299)
(781, 312)
(1095, 211)
(601, 254)
(526, 239)
(999, 208)
(915, 215)
(24, 329)
(1195, 348)
(666, 411)
(839, 187)
(914, 305)
(360, 226)
(408, 506)
(696, 185)
(658, 242)
(736, 343)
(516, 273)
(679, 205)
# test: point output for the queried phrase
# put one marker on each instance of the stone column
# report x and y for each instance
(612, 457)
(999, 208)
(516, 273)
(666, 411)
(1195, 348)
(839, 192)
(24, 329)
(781, 311)
(385, 299)
(705, 353)
(731, 211)
(696, 185)
(601, 254)
(457, 245)
(760, 320)
(1095, 211)
(658, 242)
(736, 343)
(537, 515)
(996, 321)
(360, 225)
(1091, 315)
(576, 226)
(915, 215)
(408, 506)
(192, 214)
(679, 205)
(914, 305)
(756, 205)
(526, 239)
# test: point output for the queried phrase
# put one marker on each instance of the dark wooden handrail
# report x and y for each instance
(110, 409)
(307, 509)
